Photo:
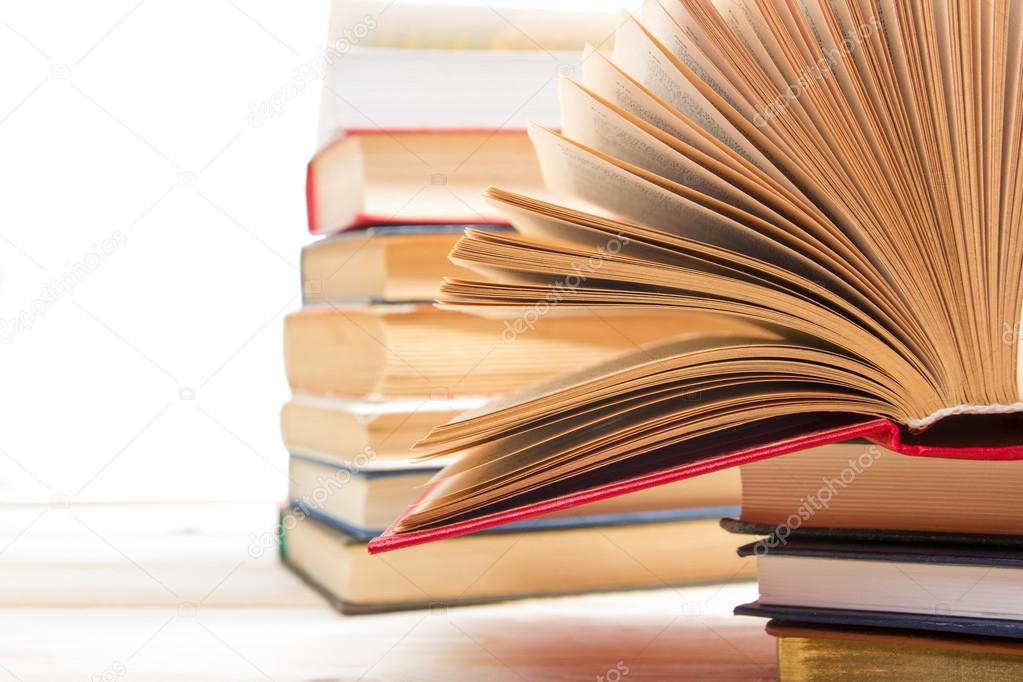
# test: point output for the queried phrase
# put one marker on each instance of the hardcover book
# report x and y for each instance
(371, 88)
(357, 433)
(388, 176)
(541, 559)
(398, 64)
(386, 264)
(418, 351)
(821, 654)
(961, 589)
(861, 486)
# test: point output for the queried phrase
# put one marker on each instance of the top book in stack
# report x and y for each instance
(424, 106)
(403, 64)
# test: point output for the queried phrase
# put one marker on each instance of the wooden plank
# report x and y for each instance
(143, 555)
(640, 636)
(196, 592)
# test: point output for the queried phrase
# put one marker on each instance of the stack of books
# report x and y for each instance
(842, 178)
(373, 365)
(870, 554)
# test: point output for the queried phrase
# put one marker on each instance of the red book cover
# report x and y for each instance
(879, 431)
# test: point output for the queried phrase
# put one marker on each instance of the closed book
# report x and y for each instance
(420, 351)
(508, 565)
(385, 264)
(775, 534)
(822, 654)
(377, 88)
(864, 486)
(358, 433)
(453, 64)
(359, 499)
(916, 586)
(381, 176)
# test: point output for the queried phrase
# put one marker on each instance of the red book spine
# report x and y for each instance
(310, 197)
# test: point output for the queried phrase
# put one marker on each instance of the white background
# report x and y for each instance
(126, 130)
(132, 118)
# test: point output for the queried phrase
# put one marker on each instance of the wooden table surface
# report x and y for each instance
(195, 592)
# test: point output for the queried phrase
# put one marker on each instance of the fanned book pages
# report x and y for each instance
(838, 181)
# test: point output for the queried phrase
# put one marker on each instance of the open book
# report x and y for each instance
(839, 181)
